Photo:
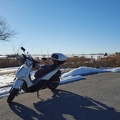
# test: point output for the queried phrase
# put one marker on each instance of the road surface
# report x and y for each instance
(95, 98)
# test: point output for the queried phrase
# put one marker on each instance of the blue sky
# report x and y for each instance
(67, 26)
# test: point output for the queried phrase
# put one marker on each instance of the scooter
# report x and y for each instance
(48, 76)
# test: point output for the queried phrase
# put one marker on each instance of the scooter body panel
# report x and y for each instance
(23, 75)
(17, 84)
(49, 75)
(23, 71)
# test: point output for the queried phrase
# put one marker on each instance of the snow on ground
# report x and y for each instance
(7, 70)
(7, 76)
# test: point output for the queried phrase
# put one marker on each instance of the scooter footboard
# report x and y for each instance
(41, 84)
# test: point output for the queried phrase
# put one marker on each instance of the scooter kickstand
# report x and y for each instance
(38, 95)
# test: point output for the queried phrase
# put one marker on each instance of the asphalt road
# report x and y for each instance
(95, 98)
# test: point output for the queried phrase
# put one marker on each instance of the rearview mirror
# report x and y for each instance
(22, 48)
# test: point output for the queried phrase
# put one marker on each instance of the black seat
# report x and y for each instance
(45, 70)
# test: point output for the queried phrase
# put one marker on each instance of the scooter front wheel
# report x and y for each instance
(12, 95)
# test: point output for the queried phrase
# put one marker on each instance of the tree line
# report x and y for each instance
(71, 62)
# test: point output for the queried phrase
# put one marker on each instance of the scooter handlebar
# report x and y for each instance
(36, 64)
(25, 57)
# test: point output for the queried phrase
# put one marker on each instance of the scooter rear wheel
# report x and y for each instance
(53, 86)
(12, 95)
(54, 82)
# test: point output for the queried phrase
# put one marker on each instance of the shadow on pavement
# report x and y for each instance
(65, 105)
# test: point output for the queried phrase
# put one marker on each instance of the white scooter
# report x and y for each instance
(48, 76)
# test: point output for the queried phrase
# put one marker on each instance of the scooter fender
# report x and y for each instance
(18, 83)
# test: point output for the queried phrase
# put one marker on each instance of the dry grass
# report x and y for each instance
(71, 62)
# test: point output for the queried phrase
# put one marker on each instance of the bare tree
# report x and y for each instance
(5, 31)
